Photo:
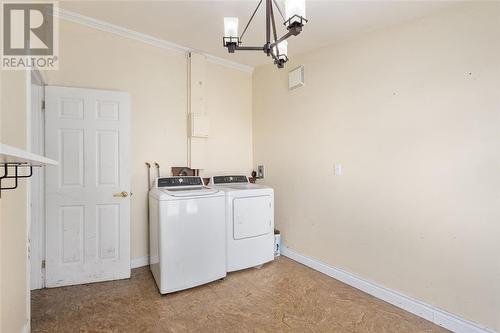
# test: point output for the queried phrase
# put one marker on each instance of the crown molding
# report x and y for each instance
(138, 36)
(227, 63)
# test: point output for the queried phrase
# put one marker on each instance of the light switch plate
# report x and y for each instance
(338, 169)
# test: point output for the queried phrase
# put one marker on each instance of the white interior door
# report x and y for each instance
(88, 194)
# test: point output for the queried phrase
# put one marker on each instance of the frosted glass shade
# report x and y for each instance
(295, 7)
(230, 27)
(282, 49)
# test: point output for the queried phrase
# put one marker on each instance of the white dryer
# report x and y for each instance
(249, 222)
(187, 233)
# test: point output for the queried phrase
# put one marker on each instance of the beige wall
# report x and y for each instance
(229, 104)
(13, 228)
(157, 82)
(412, 113)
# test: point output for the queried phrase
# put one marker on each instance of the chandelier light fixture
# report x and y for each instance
(294, 19)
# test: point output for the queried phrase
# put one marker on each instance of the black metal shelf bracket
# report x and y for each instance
(7, 167)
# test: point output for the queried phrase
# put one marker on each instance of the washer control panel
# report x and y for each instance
(229, 179)
(179, 181)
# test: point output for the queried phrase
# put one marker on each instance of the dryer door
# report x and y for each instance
(252, 216)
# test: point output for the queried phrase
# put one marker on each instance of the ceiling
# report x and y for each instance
(199, 24)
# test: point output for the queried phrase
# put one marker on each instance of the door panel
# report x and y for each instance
(88, 227)
(106, 110)
(252, 216)
(108, 221)
(71, 233)
(108, 154)
(72, 157)
(70, 108)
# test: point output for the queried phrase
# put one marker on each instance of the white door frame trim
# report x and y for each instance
(27, 325)
(37, 239)
(31, 75)
(427, 311)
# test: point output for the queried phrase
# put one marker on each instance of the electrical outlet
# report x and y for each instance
(260, 171)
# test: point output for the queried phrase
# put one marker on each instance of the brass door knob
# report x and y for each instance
(122, 194)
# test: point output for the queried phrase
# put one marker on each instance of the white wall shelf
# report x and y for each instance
(9, 154)
(18, 163)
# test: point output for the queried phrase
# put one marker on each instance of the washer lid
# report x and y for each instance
(189, 192)
(248, 186)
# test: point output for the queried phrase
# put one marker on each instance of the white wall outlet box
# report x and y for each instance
(199, 125)
(296, 78)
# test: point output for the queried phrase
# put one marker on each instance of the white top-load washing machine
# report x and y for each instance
(249, 222)
(187, 233)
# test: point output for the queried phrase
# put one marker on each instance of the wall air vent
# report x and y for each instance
(296, 78)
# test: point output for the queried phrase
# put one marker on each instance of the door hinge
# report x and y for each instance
(43, 105)
(43, 263)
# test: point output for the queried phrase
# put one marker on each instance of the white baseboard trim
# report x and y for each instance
(27, 327)
(139, 262)
(421, 309)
